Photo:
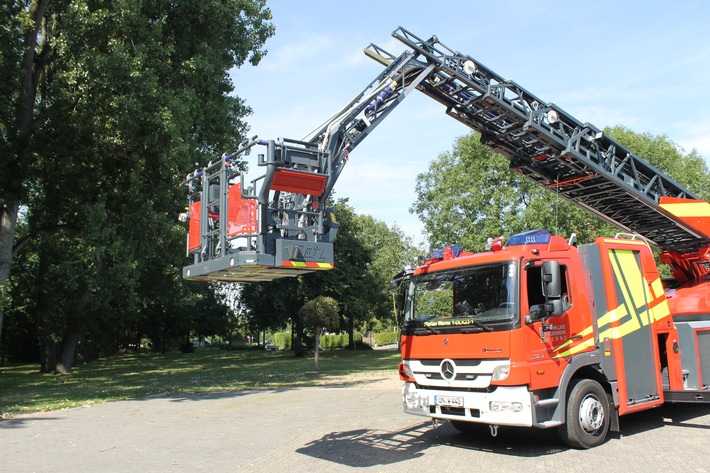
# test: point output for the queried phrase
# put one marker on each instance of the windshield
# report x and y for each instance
(473, 299)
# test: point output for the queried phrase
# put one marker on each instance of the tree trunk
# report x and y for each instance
(316, 357)
(71, 335)
(47, 355)
(298, 342)
(44, 317)
(351, 331)
(8, 222)
(31, 68)
(68, 348)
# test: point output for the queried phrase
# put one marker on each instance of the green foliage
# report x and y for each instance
(270, 305)
(436, 303)
(469, 194)
(386, 338)
(338, 340)
(391, 252)
(367, 254)
(349, 283)
(282, 340)
(690, 170)
(144, 88)
(321, 312)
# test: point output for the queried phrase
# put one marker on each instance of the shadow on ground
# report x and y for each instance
(371, 447)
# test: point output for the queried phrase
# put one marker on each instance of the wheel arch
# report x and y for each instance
(585, 366)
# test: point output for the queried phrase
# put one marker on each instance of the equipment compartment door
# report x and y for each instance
(632, 330)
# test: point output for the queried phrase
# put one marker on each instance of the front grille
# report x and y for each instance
(461, 374)
(459, 377)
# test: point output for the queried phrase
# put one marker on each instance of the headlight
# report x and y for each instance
(505, 406)
(500, 373)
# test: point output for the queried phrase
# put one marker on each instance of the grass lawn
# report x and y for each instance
(23, 389)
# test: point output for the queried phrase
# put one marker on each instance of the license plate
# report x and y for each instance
(448, 401)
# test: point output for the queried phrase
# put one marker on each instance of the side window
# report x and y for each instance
(534, 288)
(564, 286)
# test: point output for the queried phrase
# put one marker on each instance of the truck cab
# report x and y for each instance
(537, 332)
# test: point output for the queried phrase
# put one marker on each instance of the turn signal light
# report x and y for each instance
(405, 373)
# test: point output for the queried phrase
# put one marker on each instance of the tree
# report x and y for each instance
(391, 252)
(271, 305)
(23, 59)
(469, 193)
(320, 313)
(367, 255)
(690, 169)
(143, 87)
(350, 282)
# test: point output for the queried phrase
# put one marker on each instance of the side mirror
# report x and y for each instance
(398, 280)
(551, 286)
(398, 289)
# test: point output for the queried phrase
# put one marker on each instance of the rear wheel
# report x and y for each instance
(587, 415)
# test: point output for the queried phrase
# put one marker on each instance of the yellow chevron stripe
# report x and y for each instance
(661, 311)
(637, 293)
(576, 349)
(689, 209)
(612, 316)
(626, 270)
(657, 288)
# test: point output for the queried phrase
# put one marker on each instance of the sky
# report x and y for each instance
(641, 64)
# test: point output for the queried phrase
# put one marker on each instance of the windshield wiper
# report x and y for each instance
(429, 330)
(481, 325)
(415, 327)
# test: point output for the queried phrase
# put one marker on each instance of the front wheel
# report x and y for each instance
(587, 415)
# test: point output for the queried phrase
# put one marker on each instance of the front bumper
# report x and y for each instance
(507, 405)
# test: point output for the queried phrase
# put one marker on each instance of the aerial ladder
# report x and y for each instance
(284, 228)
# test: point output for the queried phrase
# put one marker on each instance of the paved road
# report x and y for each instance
(342, 427)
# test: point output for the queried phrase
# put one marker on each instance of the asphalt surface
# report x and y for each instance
(349, 425)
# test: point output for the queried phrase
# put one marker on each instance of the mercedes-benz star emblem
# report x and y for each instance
(448, 370)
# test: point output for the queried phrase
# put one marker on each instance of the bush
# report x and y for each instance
(386, 338)
(282, 339)
(334, 341)
(340, 340)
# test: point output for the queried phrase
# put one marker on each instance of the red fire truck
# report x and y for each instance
(537, 331)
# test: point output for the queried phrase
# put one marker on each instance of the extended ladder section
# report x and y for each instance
(278, 225)
(574, 159)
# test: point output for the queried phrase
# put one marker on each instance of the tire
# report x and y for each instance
(587, 415)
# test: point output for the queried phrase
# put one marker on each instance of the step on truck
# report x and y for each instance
(538, 331)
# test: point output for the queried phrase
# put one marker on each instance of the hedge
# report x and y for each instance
(386, 338)
(339, 340)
